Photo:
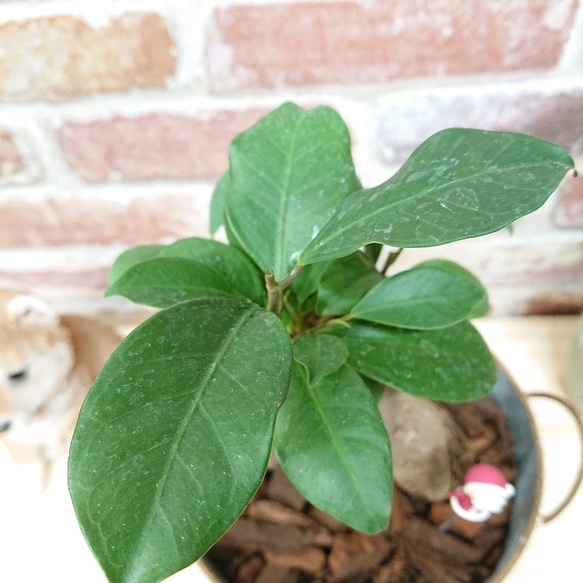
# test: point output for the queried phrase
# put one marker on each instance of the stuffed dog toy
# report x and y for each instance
(47, 364)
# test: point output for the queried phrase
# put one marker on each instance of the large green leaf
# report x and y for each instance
(130, 258)
(321, 354)
(307, 282)
(483, 307)
(287, 175)
(174, 436)
(345, 282)
(231, 263)
(425, 297)
(448, 364)
(162, 275)
(459, 183)
(165, 281)
(218, 202)
(331, 442)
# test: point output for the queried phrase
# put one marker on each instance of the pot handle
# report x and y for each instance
(578, 479)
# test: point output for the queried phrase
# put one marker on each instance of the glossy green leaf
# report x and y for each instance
(288, 173)
(130, 258)
(174, 436)
(483, 307)
(165, 281)
(344, 283)
(376, 389)
(373, 251)
(307, 282)
(218, 202)
(321, 354)
(448, 364)
(459, 183)
(231, 235)
(423, 298)
(229, 262)
(331, 442)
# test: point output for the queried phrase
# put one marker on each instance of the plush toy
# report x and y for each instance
(47, 364)
(484, 492)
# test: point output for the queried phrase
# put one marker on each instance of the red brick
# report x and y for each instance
(154, 146)
(515, 262)
(558, 303)
(569, 210)
(551, 112)
(71, 220)
(76, 278)
(61, 56)
(354, 42)
(16, 164)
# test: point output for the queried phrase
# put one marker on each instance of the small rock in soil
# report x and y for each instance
(425, 444)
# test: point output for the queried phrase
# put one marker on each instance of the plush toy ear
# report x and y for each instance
(30, 309)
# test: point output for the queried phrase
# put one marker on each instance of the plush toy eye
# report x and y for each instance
(18, 377)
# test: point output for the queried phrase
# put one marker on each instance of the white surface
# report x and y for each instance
(40, 540)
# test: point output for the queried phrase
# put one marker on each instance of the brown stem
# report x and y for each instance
(275, 289)
(391, 258)
(274, 294)
(287, 281)
(326, 321)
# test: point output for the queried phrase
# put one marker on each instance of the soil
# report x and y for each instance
(281, 538)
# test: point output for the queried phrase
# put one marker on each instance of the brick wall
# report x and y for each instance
(115, 118)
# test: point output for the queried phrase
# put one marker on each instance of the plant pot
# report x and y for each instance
(525, 512)
(529, 482)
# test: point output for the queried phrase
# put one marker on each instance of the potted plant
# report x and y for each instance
(280, 339)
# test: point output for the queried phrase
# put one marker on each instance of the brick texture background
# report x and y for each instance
(115, 119)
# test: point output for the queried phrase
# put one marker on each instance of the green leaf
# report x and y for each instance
(307, 282)
(345, 282)
(376, 389)
(218, 202)
(449, 364)
(130, 258)
(331, 442)
(423, 298)
(227, 261)
(288, 173)
(174, 436)
(482, 308)
(458, 184)
(165, 281)
(231, 235)
(373, 251)
(321, 354)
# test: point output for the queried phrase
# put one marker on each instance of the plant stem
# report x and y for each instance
(287, 281)
(274, 294)
(295, 315)
(275, 289)
(391, 258)
(326, 321)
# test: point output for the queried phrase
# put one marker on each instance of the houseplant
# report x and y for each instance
(281, 338)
